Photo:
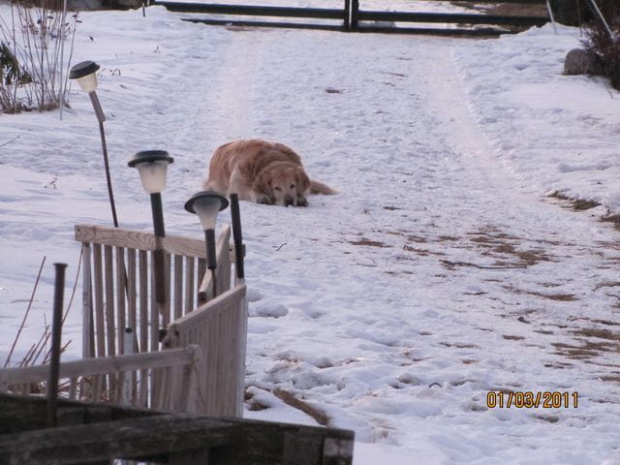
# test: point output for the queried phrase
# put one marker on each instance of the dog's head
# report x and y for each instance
(283, 184)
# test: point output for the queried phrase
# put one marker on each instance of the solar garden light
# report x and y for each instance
(206, 205)
(153, 168)
(85, 74)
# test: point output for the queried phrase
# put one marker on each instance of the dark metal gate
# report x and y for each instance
(353, 17)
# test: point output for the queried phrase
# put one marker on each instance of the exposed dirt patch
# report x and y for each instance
(576, 204)
(421, 252)
(598, 333)
(369, 243)
(548, 418)
(607, 284)
(450, 265)
(513, 338)
(586, 350)
(460, 345)
(503, 246)
(447, 238)
(615, 219)
(558, 297)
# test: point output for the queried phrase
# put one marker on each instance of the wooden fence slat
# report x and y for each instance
(132, 292)
(202, 270)
(88, 328)
(187, 395)
(99, 304)
(242, 331)
(121, 294)
(155, 315)
(110, 313)
(189, 284)
(144, 323)
(178, 286)
(167, 281)
(109, 300)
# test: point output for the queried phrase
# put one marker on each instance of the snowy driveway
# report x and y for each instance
(435, 276)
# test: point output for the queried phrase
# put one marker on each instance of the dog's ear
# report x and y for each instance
(303, 181)
(262, 185)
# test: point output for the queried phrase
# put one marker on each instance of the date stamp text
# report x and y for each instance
(531, 399)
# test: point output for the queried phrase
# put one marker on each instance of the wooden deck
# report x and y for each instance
(98, 434)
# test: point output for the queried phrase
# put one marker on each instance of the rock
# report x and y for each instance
(579, 61)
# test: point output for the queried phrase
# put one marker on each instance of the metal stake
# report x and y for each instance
(237, 236)
(52, 385)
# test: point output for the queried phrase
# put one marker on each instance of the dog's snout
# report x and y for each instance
(288, 201)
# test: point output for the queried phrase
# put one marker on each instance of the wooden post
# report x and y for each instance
(347, 19)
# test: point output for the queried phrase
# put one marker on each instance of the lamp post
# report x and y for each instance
(153, 168)
(85, 75)
(206, 205)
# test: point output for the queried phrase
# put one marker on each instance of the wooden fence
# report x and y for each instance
(128, 320)
(353, 18)
(119, 281)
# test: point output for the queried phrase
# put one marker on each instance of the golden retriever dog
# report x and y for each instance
(262, 172)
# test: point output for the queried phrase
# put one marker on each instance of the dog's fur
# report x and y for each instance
(262, 172)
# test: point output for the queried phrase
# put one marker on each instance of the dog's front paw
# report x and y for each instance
(264, 201)
(302, 202)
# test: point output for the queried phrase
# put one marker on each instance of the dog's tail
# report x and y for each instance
(320, 188)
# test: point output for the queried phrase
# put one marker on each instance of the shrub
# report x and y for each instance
(33, 75)
(603, 44)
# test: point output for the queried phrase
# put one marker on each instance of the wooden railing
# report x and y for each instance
(218, 326)
(176, 371)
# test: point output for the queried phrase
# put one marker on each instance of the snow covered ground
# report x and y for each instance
(441, 272)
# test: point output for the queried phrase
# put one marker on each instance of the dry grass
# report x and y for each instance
(600, 42)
